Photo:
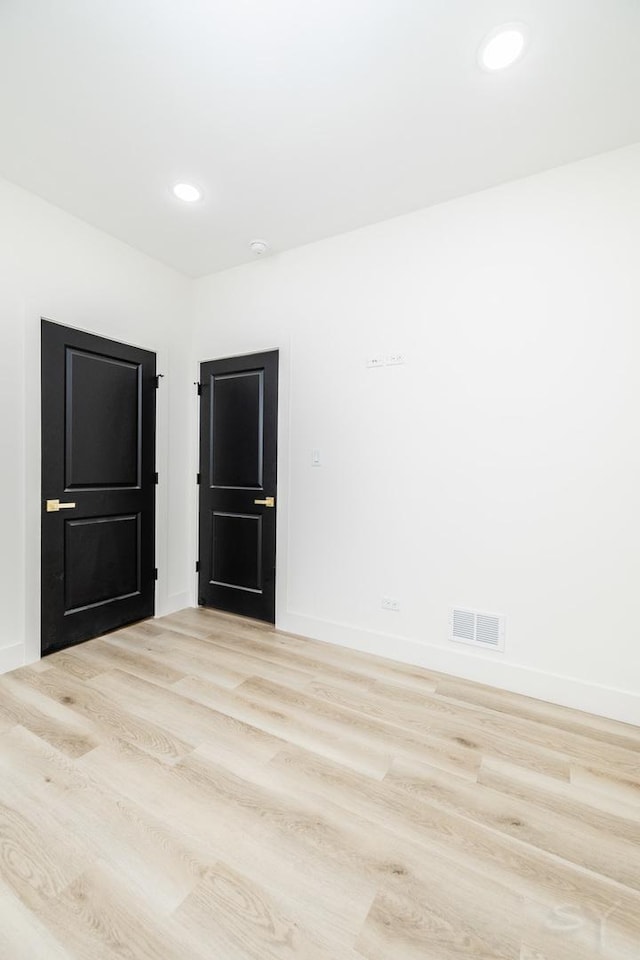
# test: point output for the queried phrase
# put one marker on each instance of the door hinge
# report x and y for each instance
(197, 478)
(155, 573)
(197, 566)
(158, 379)
(199, 388)
(155, 478)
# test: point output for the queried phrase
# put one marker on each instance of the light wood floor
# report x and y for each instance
(203, 788)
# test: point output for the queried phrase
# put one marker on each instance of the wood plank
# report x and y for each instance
(105, 717)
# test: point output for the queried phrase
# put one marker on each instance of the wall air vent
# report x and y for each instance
(476, 628)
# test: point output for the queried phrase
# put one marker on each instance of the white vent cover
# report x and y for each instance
(479, 629)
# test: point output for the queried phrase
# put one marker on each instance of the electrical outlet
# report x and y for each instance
(395, 359)
(375, 362)
(388, 603)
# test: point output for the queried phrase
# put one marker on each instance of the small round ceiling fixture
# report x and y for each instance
(187, 192)
(502, 47)
(258, 247)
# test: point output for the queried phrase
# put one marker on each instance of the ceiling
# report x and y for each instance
(298, 118)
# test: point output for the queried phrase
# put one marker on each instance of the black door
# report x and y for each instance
(98, 485)
(238, 454)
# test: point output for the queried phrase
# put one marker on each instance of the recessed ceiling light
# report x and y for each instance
(187, 192)
(502, 47)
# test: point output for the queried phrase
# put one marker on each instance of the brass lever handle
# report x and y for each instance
(268, 502)
(54, 505)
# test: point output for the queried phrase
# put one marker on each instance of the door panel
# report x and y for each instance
(103, 411)
(102, 560)
(237, 429)
(98, 456)
(238, 456)
(236, 551)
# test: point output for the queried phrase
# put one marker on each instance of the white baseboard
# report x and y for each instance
(177, 601)
(593, 698)
(11, 657)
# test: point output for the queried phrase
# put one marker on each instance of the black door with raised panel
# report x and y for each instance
(238, 456)
(98, 485)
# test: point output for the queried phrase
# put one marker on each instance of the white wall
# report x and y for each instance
(500, 467)
(55, 266)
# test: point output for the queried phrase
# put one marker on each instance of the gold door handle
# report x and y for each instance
(54, 505)
(268, 502)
